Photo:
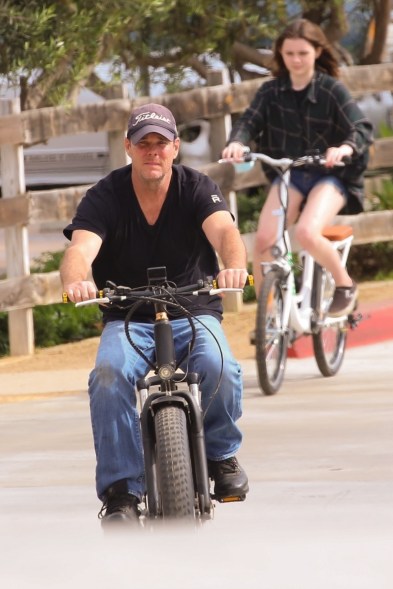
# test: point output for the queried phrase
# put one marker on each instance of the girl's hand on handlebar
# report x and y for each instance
(232, 278)
(335, 155)
(80, 291)
(234, 151)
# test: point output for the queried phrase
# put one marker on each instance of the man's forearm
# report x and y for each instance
(74, 267)
(232, 250)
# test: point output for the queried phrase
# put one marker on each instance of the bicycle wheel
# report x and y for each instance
(330, 338)
(174, 468)
(271, 338)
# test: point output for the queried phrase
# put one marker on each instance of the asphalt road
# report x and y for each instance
(319, 514)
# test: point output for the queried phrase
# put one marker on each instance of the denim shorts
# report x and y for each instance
(305, 180)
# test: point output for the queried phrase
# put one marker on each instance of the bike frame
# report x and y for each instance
(166, 381)
(297, 309)
(285, 312)
(188, 399)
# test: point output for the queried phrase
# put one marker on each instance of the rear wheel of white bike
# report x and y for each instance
(174, 469)
(271, 336)
(330, 339)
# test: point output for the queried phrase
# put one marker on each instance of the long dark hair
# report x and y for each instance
(309, 31)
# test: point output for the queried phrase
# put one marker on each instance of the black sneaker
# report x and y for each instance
(344, 300)
(119, 507)
(230, 480)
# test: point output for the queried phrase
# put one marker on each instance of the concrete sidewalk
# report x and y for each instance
(41, 385)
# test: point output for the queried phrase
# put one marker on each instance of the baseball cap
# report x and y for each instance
(151, 118)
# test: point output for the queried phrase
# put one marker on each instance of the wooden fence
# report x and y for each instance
(21, 291)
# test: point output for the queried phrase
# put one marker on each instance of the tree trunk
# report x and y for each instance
(378, 32)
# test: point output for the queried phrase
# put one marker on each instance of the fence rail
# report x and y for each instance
(19, 209)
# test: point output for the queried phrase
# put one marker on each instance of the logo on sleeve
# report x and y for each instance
(215, 198)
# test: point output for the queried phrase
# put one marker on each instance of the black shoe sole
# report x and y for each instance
(231, 496)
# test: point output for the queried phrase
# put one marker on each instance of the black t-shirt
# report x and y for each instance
(130, 245)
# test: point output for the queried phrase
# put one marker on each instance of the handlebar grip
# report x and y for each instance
(249, 281)
(100, 294)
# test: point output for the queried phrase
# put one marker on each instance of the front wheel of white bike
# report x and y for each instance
(271, 336)
(330, 338)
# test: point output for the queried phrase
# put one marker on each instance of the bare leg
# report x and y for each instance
(266, 234)
(323, 203)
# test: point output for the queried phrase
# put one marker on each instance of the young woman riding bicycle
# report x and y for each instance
(305, 108)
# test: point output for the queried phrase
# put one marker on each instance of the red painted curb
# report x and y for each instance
(375, 326)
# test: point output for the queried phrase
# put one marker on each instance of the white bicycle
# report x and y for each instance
(295, 295)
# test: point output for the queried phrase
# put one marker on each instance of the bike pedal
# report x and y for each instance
(231, 499)
(354, 319)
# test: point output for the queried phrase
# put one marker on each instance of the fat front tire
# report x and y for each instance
(330, 336)
(271, 336)
(174, 468)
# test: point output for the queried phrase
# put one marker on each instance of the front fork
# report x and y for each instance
(189, 401)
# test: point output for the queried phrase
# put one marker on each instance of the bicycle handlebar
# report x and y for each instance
(114, 294)
(312, 159)
(150, 295)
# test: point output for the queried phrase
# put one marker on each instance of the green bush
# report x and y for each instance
(385, 130)
(371, 261)
(249, 205)
(384, 198)
(47, 262)
(58, 323)
(62, 323)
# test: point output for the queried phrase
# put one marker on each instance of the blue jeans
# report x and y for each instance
(115, 418)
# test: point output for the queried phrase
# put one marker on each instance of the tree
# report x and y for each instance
(68, 38)
(331, 16)
(51, 48)
(377, 31)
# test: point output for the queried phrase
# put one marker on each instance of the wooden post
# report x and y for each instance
(221, 125)
(117, 153)
(20, 322)
(219, 133)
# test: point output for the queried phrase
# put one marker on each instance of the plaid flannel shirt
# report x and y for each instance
(327, 117)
